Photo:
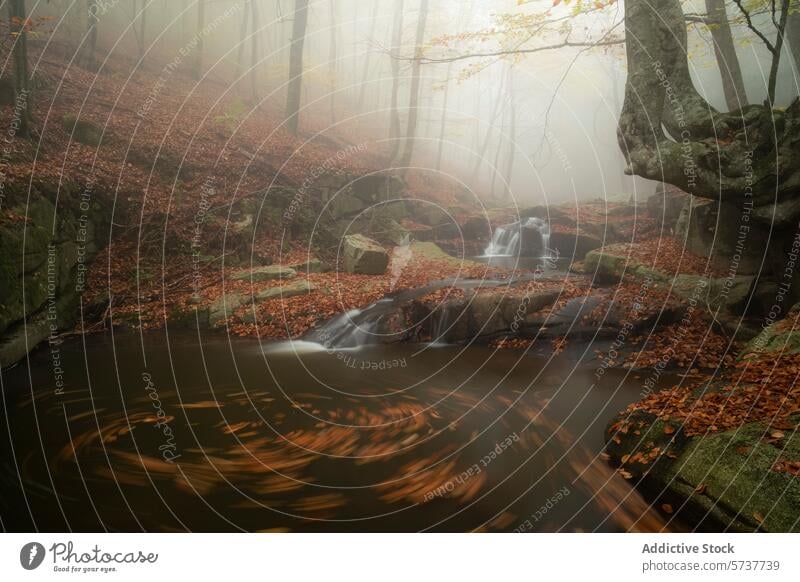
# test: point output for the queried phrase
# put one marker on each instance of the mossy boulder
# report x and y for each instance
(301, 287)
(82, 130)
(260, 274)
(224, 307)
(364, 256)
(726, 480)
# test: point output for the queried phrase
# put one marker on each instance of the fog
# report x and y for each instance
(532, 128)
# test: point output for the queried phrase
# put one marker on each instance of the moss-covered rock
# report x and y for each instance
(727, 478)
(82, 131)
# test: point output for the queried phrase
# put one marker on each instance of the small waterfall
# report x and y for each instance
(507, 241)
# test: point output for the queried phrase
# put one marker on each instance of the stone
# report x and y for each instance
(224, 307)
(364, 256)
(724, 233)
(346, 204)
(476, 228)
(260, 274)
(310, 266)
(572, 244)
(742, 493)
(300, 287)
(83, 131)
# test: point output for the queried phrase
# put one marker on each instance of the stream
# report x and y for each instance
(166, 431)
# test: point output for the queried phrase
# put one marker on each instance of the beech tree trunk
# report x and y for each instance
(413, 102)
(725, 53)
(669, 133)
(295, 89)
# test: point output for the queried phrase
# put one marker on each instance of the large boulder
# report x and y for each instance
(364, 256)
(725, 233)
(724, 481)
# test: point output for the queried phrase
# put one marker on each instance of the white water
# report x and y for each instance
(506, 240)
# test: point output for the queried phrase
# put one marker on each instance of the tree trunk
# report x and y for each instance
(444, 116)
(201, 24)
(413, 101)
(240, 51)
(668, 132)
(725, 53)
(295, 89)
(394, 114)
(776, 57)
(512, 135)
(332, 56)
(22, 96)
(142, 25)
(254, 57)
(91, 22)
(365, 71)
(489, 130)
(793, 38)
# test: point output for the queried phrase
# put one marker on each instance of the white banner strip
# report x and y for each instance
(400, 557)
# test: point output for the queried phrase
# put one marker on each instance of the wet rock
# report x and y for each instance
(364, 256)
(725, 480)
(260, 274)
(572, 244)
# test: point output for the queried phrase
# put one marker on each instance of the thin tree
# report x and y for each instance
(394, 113)
(240, 48)
(774, 47)
(725, 53)
(413, 102)
(201, 24)
(332, 56)
(142, 28)
(294, 92)
(793, 36)
(18, 22)
(91, 23)
(443, 122)
(254, 49)
(512, 136)
(365, 72)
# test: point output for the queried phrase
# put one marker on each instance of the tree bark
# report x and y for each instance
(413, 102)
(668, 132)
(725, 53)
(295, 89)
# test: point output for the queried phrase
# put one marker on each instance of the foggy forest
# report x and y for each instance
(399, 265)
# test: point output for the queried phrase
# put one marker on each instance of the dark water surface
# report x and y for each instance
(232, 434)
